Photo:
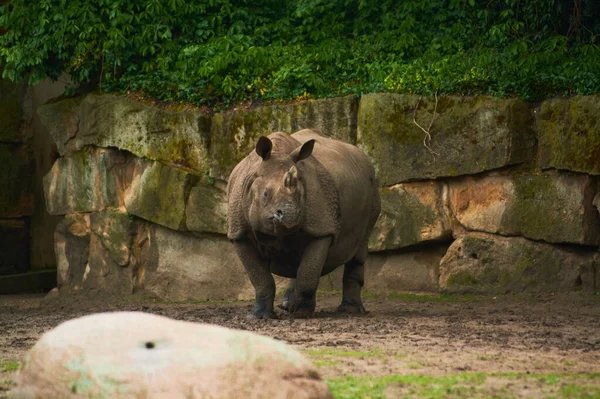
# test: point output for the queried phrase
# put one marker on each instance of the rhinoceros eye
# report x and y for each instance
(266, 194)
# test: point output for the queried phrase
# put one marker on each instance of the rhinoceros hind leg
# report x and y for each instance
(353, 282)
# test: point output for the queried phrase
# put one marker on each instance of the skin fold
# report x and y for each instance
(299, 206)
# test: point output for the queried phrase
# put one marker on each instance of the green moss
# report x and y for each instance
(162, 196)
(475, 385)
(401, 221)
(334, 352)
(461, 279)
(9, 366)
(443, 297)
(568, 134)
(538, 209)
(469, 135)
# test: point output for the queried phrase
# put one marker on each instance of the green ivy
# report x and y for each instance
(213, 52)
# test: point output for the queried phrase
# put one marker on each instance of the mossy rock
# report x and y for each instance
(114, 230)
(84, 181)
(411, 213)
(235, 133)
(206, 210)
(569, 134)
(491, 264)
(160, 195)
(468, 135)
(555, 208)
(72, 245)
(106, 120)
(550, 206)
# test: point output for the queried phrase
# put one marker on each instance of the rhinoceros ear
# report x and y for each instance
(264, 147)
(304, 152)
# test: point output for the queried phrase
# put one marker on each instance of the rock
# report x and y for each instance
(159, 195)
(17, 169)
(107, 120)
(206, 210)
(142, 355)
(52, 294)
(469, 134)
(14, 246)
(596, 202)
(411, 213)
(11, 95)
(115, 232)
(553, 207)
(489, 264)
(110, 254)
(181, 267)
(85, 181)
(568, 134)
(72, 248)
(406, 271)
(234, 134)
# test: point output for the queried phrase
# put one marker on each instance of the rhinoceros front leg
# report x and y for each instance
(307, 277)
(261, 278)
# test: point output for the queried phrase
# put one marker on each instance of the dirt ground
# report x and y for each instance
(402, 335)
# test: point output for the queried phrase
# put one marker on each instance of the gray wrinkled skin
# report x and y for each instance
(300, 206)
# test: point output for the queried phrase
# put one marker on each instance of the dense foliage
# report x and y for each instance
(213, 51)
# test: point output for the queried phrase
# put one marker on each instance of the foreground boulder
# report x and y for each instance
(139, 355)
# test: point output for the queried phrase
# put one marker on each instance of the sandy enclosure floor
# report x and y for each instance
(402, 335)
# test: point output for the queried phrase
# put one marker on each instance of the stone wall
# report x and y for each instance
(503, 200)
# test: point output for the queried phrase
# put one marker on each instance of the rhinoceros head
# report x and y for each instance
(278, 191)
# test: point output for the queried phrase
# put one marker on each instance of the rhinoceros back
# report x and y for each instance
(357, 191)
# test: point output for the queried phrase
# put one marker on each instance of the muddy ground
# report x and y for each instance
(403, 336)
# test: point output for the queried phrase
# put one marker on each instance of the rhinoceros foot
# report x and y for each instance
(261, 312)
(303, 313)
(346, 307)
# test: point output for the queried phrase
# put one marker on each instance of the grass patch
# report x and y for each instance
(473, 385)
(435, 298)
(333, 352)
(6, 366)
(326, 363)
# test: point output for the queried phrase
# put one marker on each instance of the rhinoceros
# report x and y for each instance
(300, 206)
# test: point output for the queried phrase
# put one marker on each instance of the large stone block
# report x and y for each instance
(569, 134)
(554, 207)
(17, 169)
(14, 246)
(85, 181)
(234, 134)
(110, 254)
(411, 213)
(406, 271)
(179, 266)
(469, 134)
(159, 194)
(106, 120)
(72, 248)
(206, 210)
(484, 263)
